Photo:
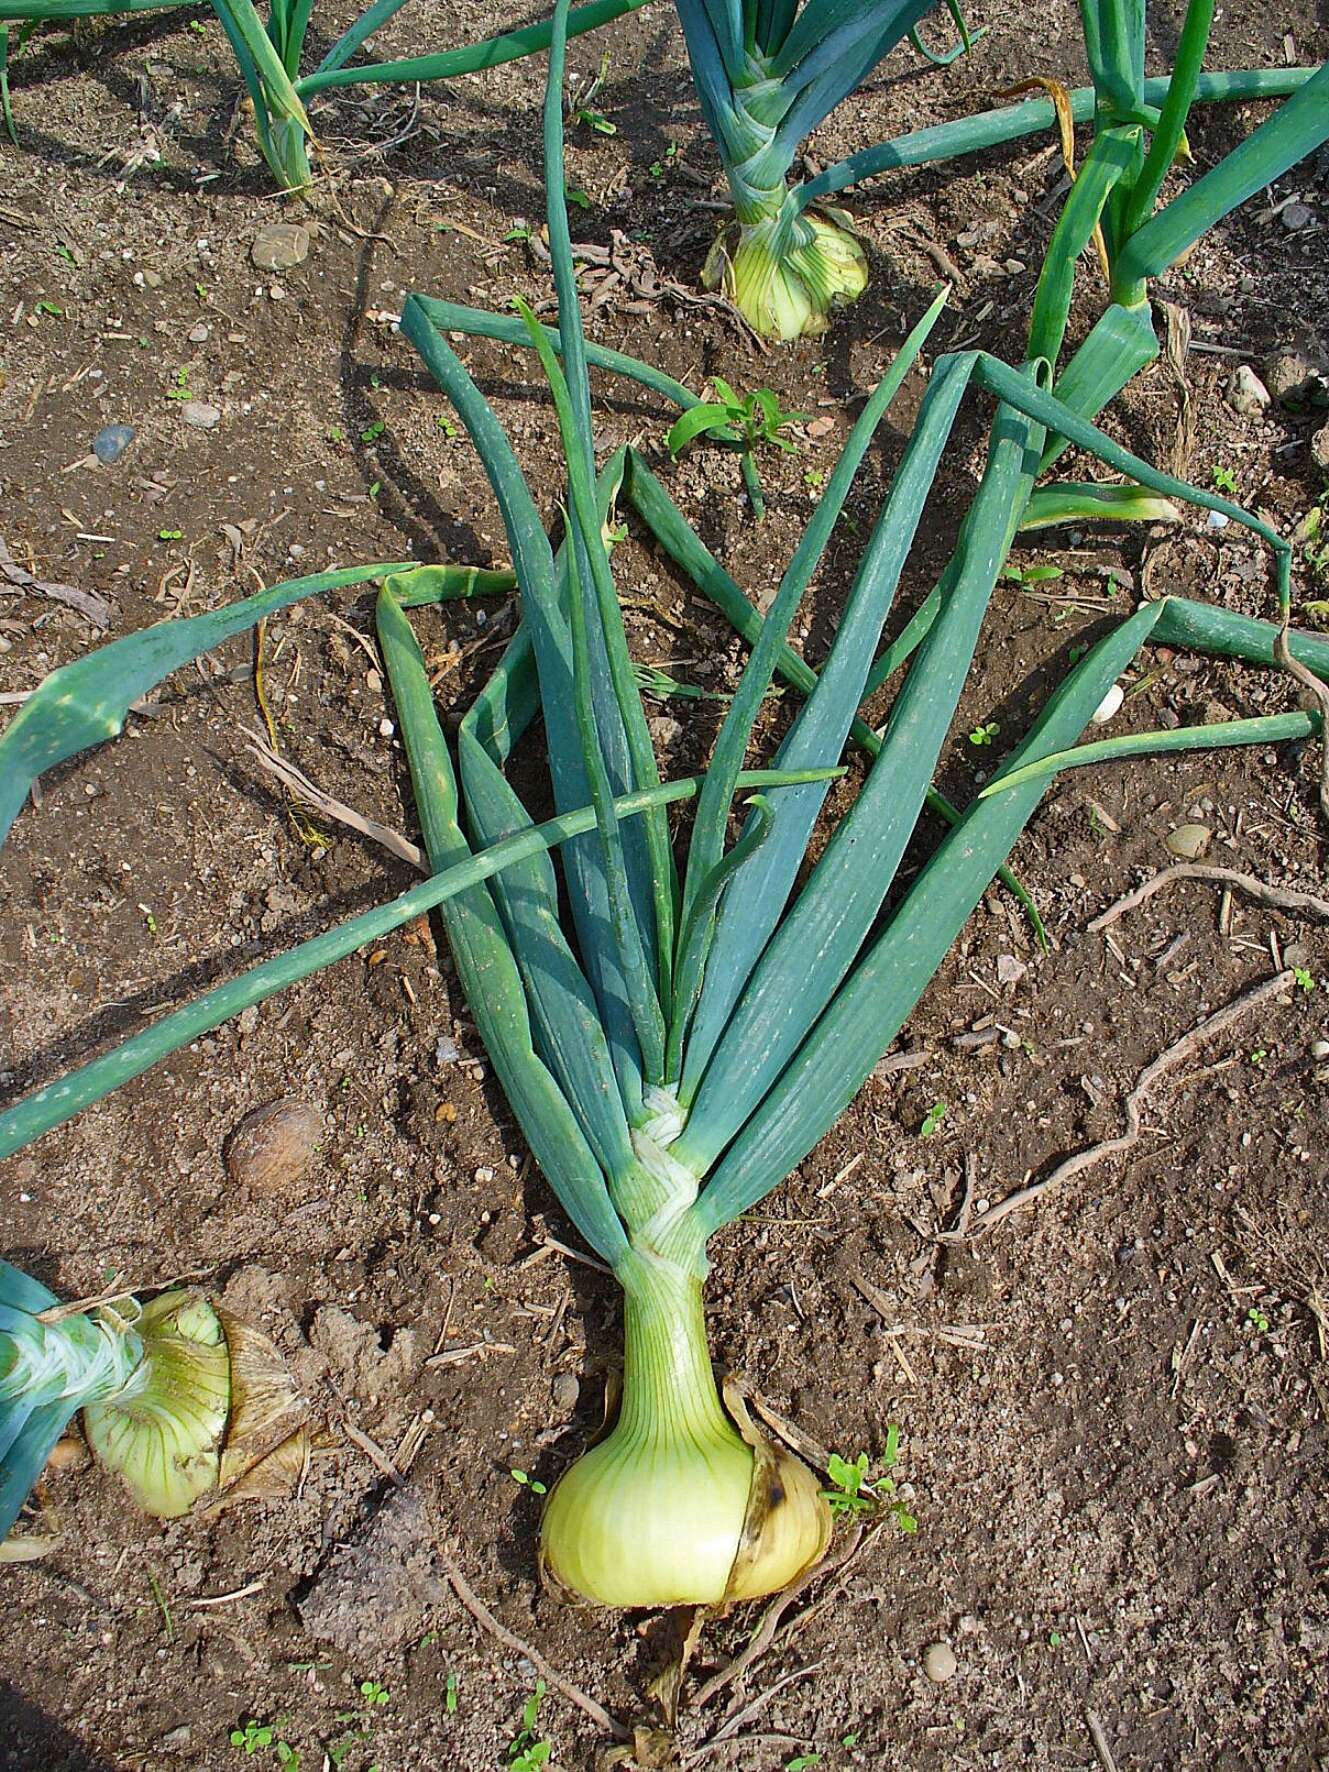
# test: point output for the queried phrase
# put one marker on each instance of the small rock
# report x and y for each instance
(385, 728)
(201, 414)
(1320, 1049)
(1217, 520)
(1189, 841)
(200, 334)
(280, 246)
(1010, 969)
(271, 1149)
(565, 1390)
(276, 292)
(1297, 376)
(939, 1663)
(664, 729)
(1297, 216)
(445, 1051)
(152, 279)
(1109, 706)
(1320, 449)
(1246, 393)
(111, 442)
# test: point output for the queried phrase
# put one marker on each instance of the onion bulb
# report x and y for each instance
(678, 1505)
(786, 275)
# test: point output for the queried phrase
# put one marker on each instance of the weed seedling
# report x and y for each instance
(257, 1738)
(525, 1752)
(1305, 978)
(528, 1482)
(373, 1693)
(1032, 575)
(180, 389)
(1225, 480)
(985, 732)
(450, 1696)
(932, 1119)
(1257, 1319)
(372, 432)
(758, 418)
(856, 1491)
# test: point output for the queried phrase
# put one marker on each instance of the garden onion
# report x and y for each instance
(179, 1397)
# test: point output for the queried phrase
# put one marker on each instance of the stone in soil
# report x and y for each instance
(201, 414)
(372, 1595)
(280, 246)
(111, 442)
(939, 1663)
(1189, 841)
(1246, 393)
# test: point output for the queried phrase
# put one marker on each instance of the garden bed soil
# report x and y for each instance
(1114, 1409)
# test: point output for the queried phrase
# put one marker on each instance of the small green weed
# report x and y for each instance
(528, 1482)
(526, 1753)
(1031, 575)
(180, 388)
(757, 417)
(1225, 480)
(985, 732)
(1257, 1319)
(852, 1480)
(1305, 978)
(932, 1119)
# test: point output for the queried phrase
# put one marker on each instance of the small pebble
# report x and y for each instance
(1246, 393)
(1320, 1049)
(110, 443)
(1109, 706)
(565, 1390)
(386, 729)
(201, 414)
(939, 1663)
(1218, 520)
(200, 334)
(1189, 841)
(280, 246)
(1297, 215)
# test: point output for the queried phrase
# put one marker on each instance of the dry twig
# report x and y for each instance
(486, 1620)
(1111, 1147)
(1281, 898)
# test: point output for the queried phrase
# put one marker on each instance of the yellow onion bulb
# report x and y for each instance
(678, 1506)
(791, 291)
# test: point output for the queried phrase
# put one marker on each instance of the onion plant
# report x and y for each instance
(178, 1397)
(269, 53)
(676, 1047)
(768, 72)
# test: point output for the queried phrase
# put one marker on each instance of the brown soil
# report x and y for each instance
(1115, 1409)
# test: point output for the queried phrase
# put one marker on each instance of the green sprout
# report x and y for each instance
(932, 1119)
(1225, 479)
(180, 388)
(1304, 978)
(526, 1753)
(373, 1693)
(1257, 1319)
(1032, 575)
(757, 418)
(856, 1491)
(372, 432)
(528, 1482)
(450, 1696)
(985, 732)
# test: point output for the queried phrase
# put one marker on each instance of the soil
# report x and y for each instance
(1114, 1409)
